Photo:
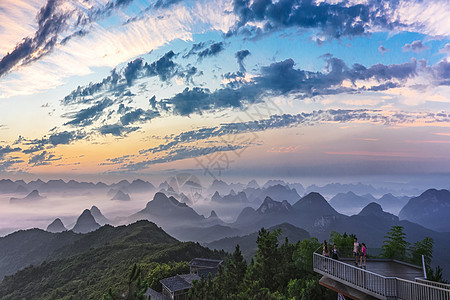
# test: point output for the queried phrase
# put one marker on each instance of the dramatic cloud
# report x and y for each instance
(118, 81)
(7, 150)
(213, 50)
(179, 154)
(53, 140)
(88, 115)
(382, 49)
(240, 56)
(116, 129)
(415, 46)
(283, 78)
(54, 19)
(51, 22)
(5, 165)
(43, 158)
(195, 49)
(333, 20)
(138, 115)
(79, 33)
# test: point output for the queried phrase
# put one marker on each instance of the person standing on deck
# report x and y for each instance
(356, 251)
(363, 255)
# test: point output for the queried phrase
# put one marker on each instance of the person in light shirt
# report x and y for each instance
(356, 251)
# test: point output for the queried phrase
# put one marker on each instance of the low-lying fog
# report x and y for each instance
(68, 206)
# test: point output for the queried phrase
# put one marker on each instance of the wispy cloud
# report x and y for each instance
(43, 158)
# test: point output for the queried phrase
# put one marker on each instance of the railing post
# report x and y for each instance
(424, 267)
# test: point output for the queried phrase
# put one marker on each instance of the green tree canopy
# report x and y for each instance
(395, 245)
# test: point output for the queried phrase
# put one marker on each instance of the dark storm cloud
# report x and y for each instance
(7, 150)
(240, 56)
(44, 158)
(415, 46)
(333, 20)
(213, 50)
(86, 116)
(51, 22)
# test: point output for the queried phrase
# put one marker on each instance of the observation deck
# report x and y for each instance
(382, 279)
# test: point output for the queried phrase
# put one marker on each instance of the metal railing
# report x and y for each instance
(414, 290)
(434, 283)
(376, 285)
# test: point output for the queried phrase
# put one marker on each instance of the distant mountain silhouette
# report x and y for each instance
(271, 206)
(431, 209)
(311, 212)
(240, 197)
(349, 201)
(31, 197)
(213, 219)
(98, 216)
(336, 188)
(167, 211)
(391, 203)
(56, 226)
(247, 243)
(7, 186)
(85, 223)
(220, 186)
(374, 209)
(277, 192)
(21, 190)
(140, 186)
(314, 203)
(121, 196)
(253, 184)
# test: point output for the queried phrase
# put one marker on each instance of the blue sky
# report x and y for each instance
(134, 88)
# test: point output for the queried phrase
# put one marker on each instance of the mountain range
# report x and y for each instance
(431, 209)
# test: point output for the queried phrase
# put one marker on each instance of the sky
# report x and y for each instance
(239, 89)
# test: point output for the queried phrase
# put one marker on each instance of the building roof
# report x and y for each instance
(179, 282)
(205, 263)
(154, 295)
(189, 277)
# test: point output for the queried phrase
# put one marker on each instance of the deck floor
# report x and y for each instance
(391, 269)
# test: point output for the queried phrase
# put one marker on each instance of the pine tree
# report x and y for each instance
(235, 271)
(425, 248)
(395, 245)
